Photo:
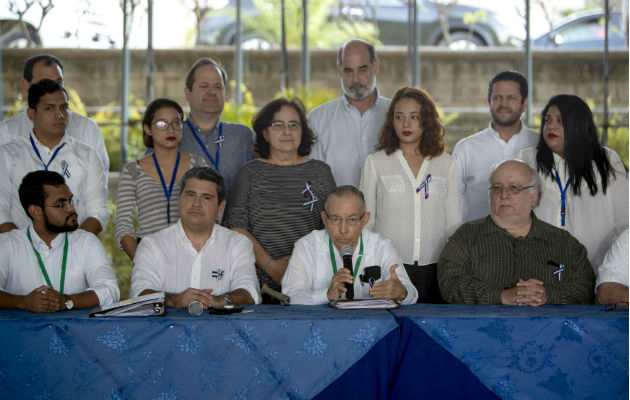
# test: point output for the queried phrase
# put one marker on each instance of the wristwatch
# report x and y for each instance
(69, 303)
(227, 298)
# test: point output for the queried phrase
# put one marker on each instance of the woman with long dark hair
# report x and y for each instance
(585, 185)
(412, 187)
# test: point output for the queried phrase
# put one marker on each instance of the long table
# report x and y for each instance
(301, 352)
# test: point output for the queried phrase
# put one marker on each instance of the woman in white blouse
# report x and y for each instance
(585, 185)
(412, 188)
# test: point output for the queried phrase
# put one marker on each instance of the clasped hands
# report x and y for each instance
(529, 292)
(390, 289)
(204, 296)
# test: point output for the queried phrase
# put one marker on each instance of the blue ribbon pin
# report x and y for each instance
(308, 191)
(559, 271)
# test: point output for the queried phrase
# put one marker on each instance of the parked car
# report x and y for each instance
(585, 30)
(391, 17)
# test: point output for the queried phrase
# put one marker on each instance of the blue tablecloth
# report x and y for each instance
(549, 352)
(272, 353)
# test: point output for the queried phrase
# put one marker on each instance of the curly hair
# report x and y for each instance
(432, 139)
(264, 118)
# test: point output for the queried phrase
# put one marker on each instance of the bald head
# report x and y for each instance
(514, 192)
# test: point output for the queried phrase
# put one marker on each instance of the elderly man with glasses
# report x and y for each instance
(511, 257)
(316, 273)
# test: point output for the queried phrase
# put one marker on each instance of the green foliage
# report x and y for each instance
(120, 262)
(109, 122)
(322, 32)
(309, 96)
(243, 114)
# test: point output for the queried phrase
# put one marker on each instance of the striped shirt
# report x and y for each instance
(136, 190)
(481, 259)
(270, 202)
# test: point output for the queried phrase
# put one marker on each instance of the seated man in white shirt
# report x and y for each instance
(612, 276)
(83, 129)
(51, 265)
(49, 147)
(315, 274)
(197, 260)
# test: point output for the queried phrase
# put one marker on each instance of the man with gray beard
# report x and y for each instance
(347, 128)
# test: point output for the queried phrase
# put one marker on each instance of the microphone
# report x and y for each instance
(346, 254)
(195, 308)
(282, 298)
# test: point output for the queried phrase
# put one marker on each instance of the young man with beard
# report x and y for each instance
(347, 128)
(50, 265)
(503, 139)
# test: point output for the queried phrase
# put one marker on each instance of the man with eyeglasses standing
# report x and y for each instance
(225, 146)
(511, 257)
(347, 128)
(50, 148)
(196, 262)
(50, 265)
(316, 275)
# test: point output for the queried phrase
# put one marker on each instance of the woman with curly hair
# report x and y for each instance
(412, 187)
(585, 185)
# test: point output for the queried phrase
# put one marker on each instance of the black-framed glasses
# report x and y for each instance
(616, 306)
(280, 126)
(62, 205)
(162, 125)
(497, 190)
(350, 221)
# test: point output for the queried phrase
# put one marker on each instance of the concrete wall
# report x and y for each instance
(456, 80)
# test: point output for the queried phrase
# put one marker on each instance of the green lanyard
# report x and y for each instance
(334, 263)
(41, 264)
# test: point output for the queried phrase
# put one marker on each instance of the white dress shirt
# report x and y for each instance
(345, 137)
(615, 265)
(418, 226)
(87, 267)
(77, 162)
(166, 261)
(310, 272)
(476, 155)
(79, 127)
(593, 220)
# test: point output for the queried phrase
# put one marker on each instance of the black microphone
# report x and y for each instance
(346, 254)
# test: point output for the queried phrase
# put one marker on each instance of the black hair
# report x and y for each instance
(29, 64)
(31, 190)
(204, 174)
(581, 145)
(264, 118)
(149, 113)
(39, 89)
(513, 76)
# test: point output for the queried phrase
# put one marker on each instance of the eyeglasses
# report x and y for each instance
(62, 205)
(350, 221)
(513, 190)
(279, 126)
(162, 125)
(614, 307)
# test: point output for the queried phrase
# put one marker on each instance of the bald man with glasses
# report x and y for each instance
(315, 274)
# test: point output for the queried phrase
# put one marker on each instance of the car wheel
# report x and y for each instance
(461, 40)
(16, 39)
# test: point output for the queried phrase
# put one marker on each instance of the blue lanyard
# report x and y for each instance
(563, 195)
(40, 157)
(203, 147)
(167, 192)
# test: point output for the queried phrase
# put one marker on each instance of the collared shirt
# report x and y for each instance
(237, 148)
(594, 220)
(310, 272)
(615, 265)
(417, 225)
(87, 267)
(481, 259)
(77, 162)
(167, 261)
(345, 137)
(79, 127)
(476, 155)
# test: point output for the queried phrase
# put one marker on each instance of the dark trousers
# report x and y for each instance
(424, 278)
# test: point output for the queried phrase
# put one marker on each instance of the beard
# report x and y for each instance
(507, 121)
(66, 227)
(354, 90)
